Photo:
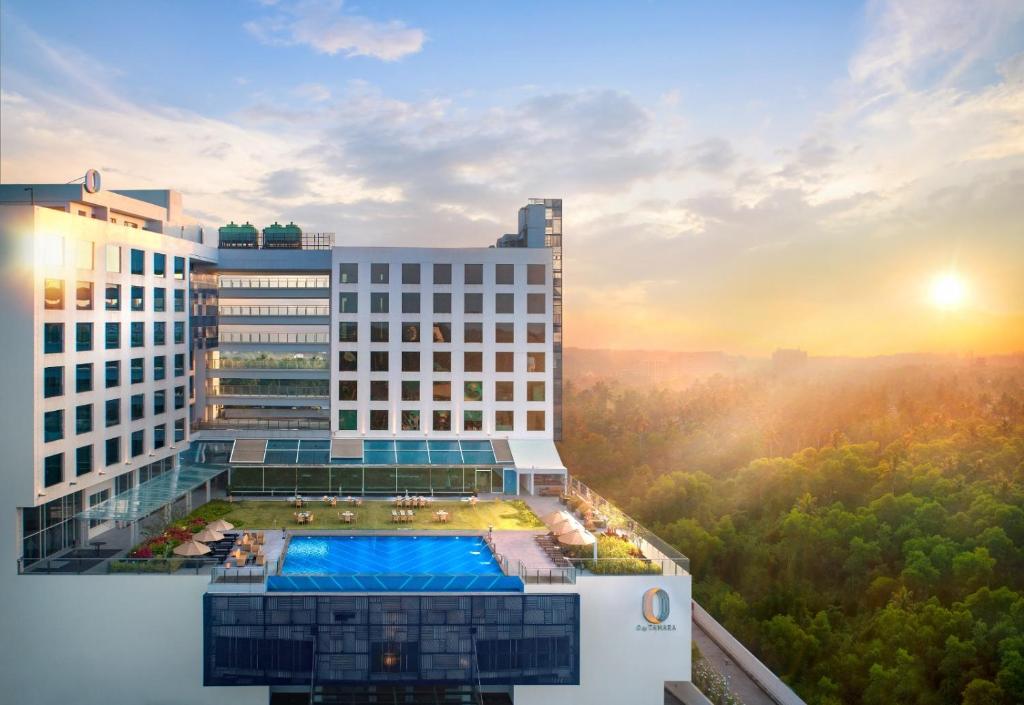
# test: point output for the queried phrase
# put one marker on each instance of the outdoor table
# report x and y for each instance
(98, 545)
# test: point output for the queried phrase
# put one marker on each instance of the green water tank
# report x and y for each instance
(282, 236)
(233, 236)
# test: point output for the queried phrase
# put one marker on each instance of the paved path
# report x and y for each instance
(739, 682)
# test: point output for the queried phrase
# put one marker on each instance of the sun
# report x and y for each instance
(948, 291)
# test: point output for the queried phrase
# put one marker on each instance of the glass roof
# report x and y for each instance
(145, 499)
(422, 453)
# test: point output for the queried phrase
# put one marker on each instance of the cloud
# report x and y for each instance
(713, 155)
(313, 92)
(327, 29)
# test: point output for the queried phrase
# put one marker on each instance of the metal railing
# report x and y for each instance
(263, 363)
(280, 310)
(312, 281)
(547, 576)
(57, 565)
(268, 390)
(263, 425)
(274, 338)
(627, 566)
(277, 241)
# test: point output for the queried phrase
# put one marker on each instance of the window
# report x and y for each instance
(472, 420)
(112, 335)
(347, 390)
(179, 267)
(138, 334)
(113, 297)
(410, 273)
(504, 274)
(534, 420)
(442, 332)
(53, 338)
(503, 391)
(53, 382)
(410, 332)
(83, 337)
(347, 361)
(442, 420)
(474, 273)
(442, 302)
(536, 274)
(347, 420)
(53, 425)
(504, 362)
(379, 390)
(504, 303)
(378, 361)
(160, 367)
(179, 397)
(159, 333)
(114, 259)
(179, 430)
(113, 412)
(348, 332)
(84, 258)
(83, 460)
(179, 364)
(138, 371)
(534, 362)
(378, 420)
(442, 273)
(159, 264)
(53, 294)
(348, 273)
(379, 332)
(138, 298)
(83, 296)
(442, 391)
(138, 442)
(179, 300)
(535, 303)
(473, 361)
(179, 332)
(348, 302)
(410, 390)
(410, 361)
(410, 302)
(53, 469)
(159, 401)
(160, 435)
(137, 407)
(138, 261)
(378, 302)
(442, 361)
(159, 299)
(473, 303)
(535, 332)
(534, 391)
(503, 420)
(473, 333)
(83, 377)
(113, 373)
(504, 333)
(83, 418)
(113, 451)
(473, 391)
(379, 273)
(410, 420)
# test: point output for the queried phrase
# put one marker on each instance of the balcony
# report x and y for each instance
(269, 388)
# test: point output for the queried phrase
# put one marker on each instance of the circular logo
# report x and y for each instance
(655, 605)
(92, 181)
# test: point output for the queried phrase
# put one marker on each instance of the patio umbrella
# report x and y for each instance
(220, 525)
(554, 517)
(578, 537)
(207, 535)
(191, 548)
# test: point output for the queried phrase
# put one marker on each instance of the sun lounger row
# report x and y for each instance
(550, 547)
(399, 516)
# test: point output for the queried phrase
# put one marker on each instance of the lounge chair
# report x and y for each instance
(394, 516)
(261, 560)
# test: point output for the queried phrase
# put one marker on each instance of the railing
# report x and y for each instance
(263, 425)
(278, 241)
(547, 576)
(268, 390)
(56, 565)
(627, 566)
(282, 310)
(316, 281)
(245, 575)
(263, 363)
(299, 338)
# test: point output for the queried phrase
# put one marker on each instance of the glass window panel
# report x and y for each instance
(474, 332)
(348, 302)
(113, 258)
(536, 303)
(53, 338)
(474, 274)
(442, 332)
(473, 303)
(536, 274)
(535, 332)
(504, 274)
(348, 273)
(379, 273)
(410, 332)
(83, 296)
(504, 332)
(504, 303)
(442, 273)
(53, 294)
(410, 273)
(442, 302)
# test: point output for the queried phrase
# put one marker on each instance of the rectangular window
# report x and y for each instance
(159, 333)
(410, 273)
(138, 443)
(379, 420)
(534, 391)
(138, 334)
(112, 373)
(138, 298)
(442, 332)
(159, 299)
(503, 420)
(473, 420)
(378, 361)
(53, 338)
(410, 361)
(473, 361)
(442, 391)
(53, 425)
(53, 469)
(378, 302)
(347, 419)
(179, 268)
(84, 257)
(113, 297)
(473, 391)
(410, 302)
(473, 332)
(83, 377)
(114, 259)
(504, 362)
(474, 273)
(535, 303)
(442, 361)
(179, 430)
(442, 274)
(379, 390)
(83, 337)
(159, 401)
(410, 332)
(138, 258)
(179, 397)
(504, 303)
(83, 418)
(348, 273)
(503, 391)
(179, 332)
(348, 302)
(179, 300)
(113, 451)
(179, 364)
(53, 294)
(442, 302)
(534, 362)
(504, 332)
(535, 332)
(53, 382)
(160, 367)
(410, 390)
(379, 273)
(137, 406)
(347, 390)
(112, 412)
(410, 420)
(348, 361)
(83, 296)
(348, 332)
(138, 371)
(442, 420)
(112, 336)
(536, 274)
(379, 332)
(534, 420)
(83, 461)
(160, 436)
(473, 303)
(504, 274)
(159, 264)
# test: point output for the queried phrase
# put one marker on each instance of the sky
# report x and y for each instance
(737, 176)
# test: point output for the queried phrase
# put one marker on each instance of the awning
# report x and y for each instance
(141, 501)
(539, 454)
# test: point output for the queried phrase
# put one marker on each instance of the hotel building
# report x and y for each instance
(152, 363)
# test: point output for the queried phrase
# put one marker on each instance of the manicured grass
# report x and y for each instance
(501, 514)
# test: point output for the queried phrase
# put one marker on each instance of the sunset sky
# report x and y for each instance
(735, 176)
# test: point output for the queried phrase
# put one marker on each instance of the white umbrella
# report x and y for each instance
(191, 548)
(578, 537)
(207, 535)
(220, 525)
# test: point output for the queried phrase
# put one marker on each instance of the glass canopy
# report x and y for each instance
(152, 495)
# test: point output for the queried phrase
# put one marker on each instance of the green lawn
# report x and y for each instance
(501, 514)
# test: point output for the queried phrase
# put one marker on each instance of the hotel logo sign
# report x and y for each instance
(655, 610)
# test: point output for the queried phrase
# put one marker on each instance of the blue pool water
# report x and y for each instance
(391, 563)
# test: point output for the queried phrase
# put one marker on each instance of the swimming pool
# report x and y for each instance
(391, 564)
